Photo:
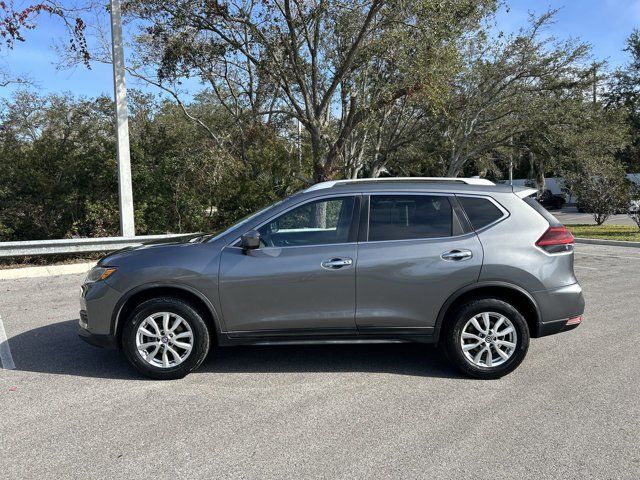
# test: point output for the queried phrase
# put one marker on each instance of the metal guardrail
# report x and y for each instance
(76, 245)
(107, 244)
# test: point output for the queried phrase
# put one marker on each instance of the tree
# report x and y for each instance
(277, 60)
(58, 167)
(180, 182)
(635, 195)
(624, 92)
(59, 174)
(501, 87)
(601, 188)
(14, 22)
(377, 141)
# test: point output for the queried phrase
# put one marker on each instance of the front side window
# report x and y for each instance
(403, 217)
(315, 223)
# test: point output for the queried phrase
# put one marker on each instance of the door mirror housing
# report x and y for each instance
(250, 240)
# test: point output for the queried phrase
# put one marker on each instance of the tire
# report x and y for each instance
(462, 322)
(186, 328)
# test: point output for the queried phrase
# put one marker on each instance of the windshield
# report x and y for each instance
(220, 233)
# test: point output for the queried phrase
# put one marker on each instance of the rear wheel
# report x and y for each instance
(165, 338)
(487, 338)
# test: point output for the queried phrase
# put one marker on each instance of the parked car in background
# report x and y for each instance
(550, 200)
(476, 267)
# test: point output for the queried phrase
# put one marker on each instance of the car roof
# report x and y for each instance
(445, 185)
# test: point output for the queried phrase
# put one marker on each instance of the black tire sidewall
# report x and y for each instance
(454, 332)
(189, 314)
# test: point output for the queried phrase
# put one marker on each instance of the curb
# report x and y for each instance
(611, 243)
(45, 271)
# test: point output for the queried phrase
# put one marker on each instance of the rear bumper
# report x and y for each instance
(559, 309)
(558, 326)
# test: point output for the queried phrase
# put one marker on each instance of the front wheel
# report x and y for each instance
(487, 338)
(165, 338)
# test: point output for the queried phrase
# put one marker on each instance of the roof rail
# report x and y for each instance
(467, 181)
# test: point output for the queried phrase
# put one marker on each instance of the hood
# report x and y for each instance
(183, 241)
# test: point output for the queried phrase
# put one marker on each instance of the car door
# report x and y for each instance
(415, 252)
(301, 280)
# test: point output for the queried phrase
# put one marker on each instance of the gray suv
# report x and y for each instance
(476, 267)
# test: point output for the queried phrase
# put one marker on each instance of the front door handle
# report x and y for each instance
(456, 255)
(336, 263)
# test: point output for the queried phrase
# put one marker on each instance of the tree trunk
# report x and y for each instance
(455, 163)
(536, 172)
(538, 169)
(320, 160)
(453, 170)
(320, 215)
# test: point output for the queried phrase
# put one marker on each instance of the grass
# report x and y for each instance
(606, 232)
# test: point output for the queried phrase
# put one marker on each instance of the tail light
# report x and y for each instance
(556, 239)
(555, 236)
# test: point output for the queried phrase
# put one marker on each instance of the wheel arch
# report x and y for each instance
(515, 295)
(136, 296)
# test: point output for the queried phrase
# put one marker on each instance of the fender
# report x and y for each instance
(475, 286)
(115, 317)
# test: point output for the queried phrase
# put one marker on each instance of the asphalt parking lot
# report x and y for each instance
(571, 410)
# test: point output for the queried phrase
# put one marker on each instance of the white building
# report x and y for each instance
(555, 183)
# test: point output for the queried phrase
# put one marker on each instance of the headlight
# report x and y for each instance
(98, 273)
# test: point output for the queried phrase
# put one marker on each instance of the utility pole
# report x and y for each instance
(299, 144)
(127, 226)
(510, 172)
(595, 85)
(511, 161)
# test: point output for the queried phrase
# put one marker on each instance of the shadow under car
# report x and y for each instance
(56, 349)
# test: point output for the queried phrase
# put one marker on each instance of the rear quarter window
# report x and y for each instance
(480, 211)
(533, 203)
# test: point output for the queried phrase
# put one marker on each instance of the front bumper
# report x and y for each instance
(103, 341)
(97, 303)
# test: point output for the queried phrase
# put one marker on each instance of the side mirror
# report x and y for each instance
(250, 240)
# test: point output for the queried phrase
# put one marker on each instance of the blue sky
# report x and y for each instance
(603, 23)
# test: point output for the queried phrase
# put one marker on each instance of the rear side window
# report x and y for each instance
(404, 217)
(480, 211)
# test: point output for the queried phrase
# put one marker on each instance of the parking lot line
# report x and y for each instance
(5, 350)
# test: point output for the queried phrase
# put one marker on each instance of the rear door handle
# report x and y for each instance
(336, 263)
(457, 255)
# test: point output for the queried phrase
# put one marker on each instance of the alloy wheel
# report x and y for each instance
(488, 339)
(164, 339)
